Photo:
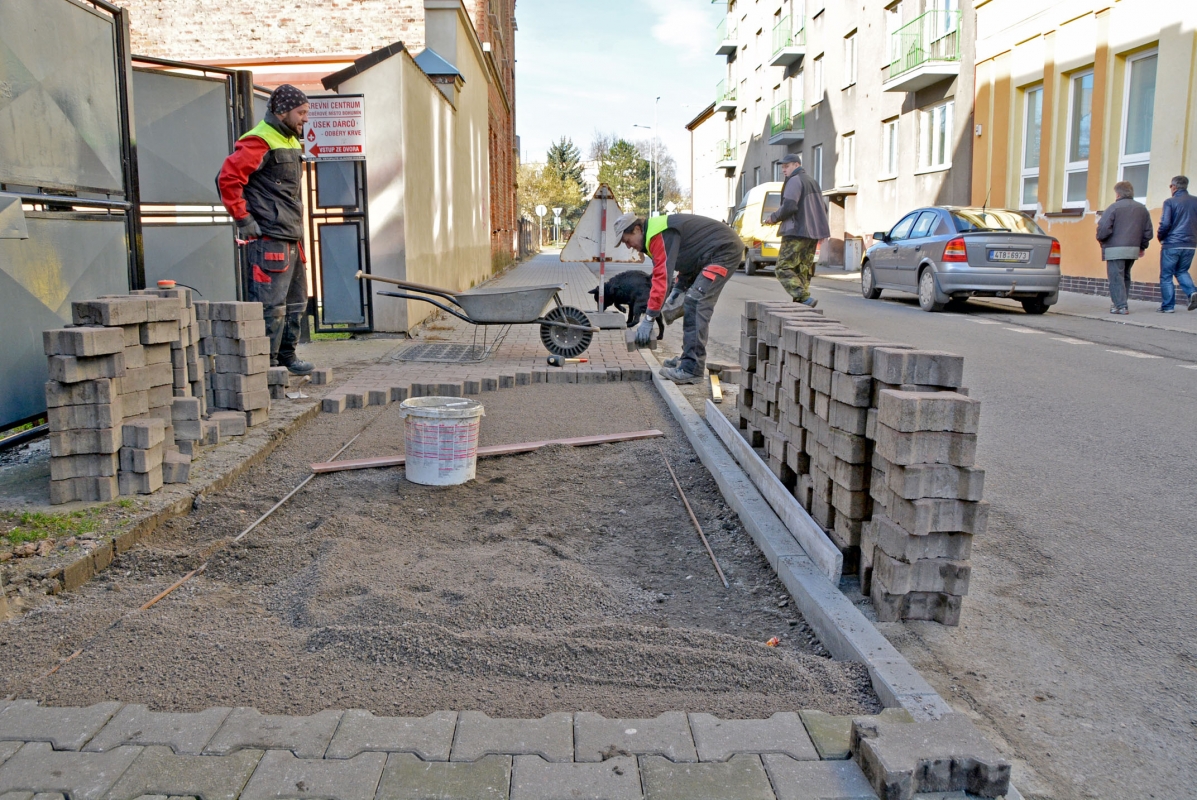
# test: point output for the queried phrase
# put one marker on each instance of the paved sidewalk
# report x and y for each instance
(111, 751)
(520, 359)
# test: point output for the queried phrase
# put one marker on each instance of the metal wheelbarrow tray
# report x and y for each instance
(564, 330)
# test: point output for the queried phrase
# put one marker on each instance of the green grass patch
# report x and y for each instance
(331, 337)
(33, 526)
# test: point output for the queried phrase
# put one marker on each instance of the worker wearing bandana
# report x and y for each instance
(260, 185)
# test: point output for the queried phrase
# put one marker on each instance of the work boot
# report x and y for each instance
(672, 363)
(286, 349)
(810, 301)
(298, 367)
(676, 375)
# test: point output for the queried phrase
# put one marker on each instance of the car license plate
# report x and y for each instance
(1010, 256)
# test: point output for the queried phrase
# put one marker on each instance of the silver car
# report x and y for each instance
(947, 253)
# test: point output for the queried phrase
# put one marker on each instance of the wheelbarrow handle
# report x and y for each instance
(415, 287)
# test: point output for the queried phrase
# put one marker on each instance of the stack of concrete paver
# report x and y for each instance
(238, 358)
(810, 395)
(917, 546)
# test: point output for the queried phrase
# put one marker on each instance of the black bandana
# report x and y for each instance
(285, 98)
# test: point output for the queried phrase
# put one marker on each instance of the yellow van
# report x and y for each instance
(762, 241)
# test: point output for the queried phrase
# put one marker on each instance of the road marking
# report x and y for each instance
(1022, 330)
(1187, 366)
(1069, 340)
(984, 321)
(1133, 354)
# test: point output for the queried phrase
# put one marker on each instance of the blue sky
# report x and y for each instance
(586, 65)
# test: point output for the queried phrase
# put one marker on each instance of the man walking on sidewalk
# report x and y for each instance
(803, 223)
(1124, 231)
(696, 254)
(1178, 238)
(260, 185)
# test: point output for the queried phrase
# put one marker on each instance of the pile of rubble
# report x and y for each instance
(137, 386)
(877, 442)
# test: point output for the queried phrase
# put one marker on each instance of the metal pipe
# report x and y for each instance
(693, 518)
(417, 287)
(18, 439)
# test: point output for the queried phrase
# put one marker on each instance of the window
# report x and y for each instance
(889, 148)
(771, 204)
(902, 229)
(756, 176)
(1080, 118)
(758, 119)
(1032, 125)
(926, 224)
(818, 78)
(848, 154)
(743, 123)
(943, 21)
(968, 220)
(850, 59)
(893, 21)
(777, 176)
(816, 164)
(1134, 158)
(798, 92)
(935, 136)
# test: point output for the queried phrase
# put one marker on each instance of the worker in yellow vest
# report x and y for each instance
(261, 186)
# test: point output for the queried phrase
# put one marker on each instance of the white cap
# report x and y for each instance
(625, 222)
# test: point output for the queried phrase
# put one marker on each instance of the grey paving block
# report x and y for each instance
(946, 755)
(741, 778)
(185, 734)
(307, 737)
(282, 776)
(719, 739)
(533, 778)
(832, 736)
(477, 735)
(65, 728)
(596, 737)
(159, 771)
(7, 749)
(430, 737)
(815, 780)
(38, 767)
(408, 778)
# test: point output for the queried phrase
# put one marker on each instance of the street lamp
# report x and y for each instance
(652, 164)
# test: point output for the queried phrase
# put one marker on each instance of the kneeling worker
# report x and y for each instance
(261, 186)
(697, 254)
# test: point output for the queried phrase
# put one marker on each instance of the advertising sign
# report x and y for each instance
(336, 129)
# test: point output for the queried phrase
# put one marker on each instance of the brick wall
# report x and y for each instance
(1139, 290)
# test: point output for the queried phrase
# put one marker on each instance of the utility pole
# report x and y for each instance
(655, 168)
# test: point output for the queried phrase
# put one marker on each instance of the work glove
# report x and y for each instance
(675, 305)
(644, 331)
(247, 228)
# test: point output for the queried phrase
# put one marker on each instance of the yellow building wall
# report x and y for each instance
(1021, 44)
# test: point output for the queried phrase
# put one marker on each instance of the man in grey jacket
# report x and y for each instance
(803, 223)
(1124, 231)
(1178, 239)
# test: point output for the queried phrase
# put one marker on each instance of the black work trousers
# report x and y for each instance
(278, 280)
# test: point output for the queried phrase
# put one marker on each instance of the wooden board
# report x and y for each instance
(494, 450)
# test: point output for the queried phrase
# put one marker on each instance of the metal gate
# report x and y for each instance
(188, 118)
(68, 179)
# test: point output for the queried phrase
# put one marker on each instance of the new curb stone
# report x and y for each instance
(307, 737)
(596, 737)
(551, 737)
(741, 778)
(720, 739)
(282, 776)
(533, 778)
(81, 776)
(185, 734)
(408, 778)
(159, 771)
(65, 728)
(430, 737)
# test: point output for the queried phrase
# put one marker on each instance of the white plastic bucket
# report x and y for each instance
(440, 436)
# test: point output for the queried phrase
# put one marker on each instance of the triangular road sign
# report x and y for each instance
(583, 244)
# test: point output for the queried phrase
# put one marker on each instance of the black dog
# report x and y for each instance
(628, 291)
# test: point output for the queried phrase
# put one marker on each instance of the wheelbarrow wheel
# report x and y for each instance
(566, 342)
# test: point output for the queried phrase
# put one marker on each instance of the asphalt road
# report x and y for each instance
(1077, 650)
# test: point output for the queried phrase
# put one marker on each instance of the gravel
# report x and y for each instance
(567, 579)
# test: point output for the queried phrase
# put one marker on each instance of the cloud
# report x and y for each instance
(685, 26)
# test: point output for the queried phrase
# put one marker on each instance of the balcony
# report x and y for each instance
(786, 129)
(725, 97)
(727, 38)
(725, 155)
(789, 45)
(925, 52)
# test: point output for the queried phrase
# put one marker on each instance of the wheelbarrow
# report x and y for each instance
(564, 330)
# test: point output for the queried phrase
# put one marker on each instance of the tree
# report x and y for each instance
(625, 170)
(543, 185)
(564, 161)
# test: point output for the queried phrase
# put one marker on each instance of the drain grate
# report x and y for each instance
(446, 353)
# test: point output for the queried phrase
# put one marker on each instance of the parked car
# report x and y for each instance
(947, 253)
(761, 241)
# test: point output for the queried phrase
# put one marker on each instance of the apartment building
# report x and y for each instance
(1073, 96)
(866, 93)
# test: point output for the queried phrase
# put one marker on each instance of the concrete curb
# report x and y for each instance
(844, 631)
(83, 569)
